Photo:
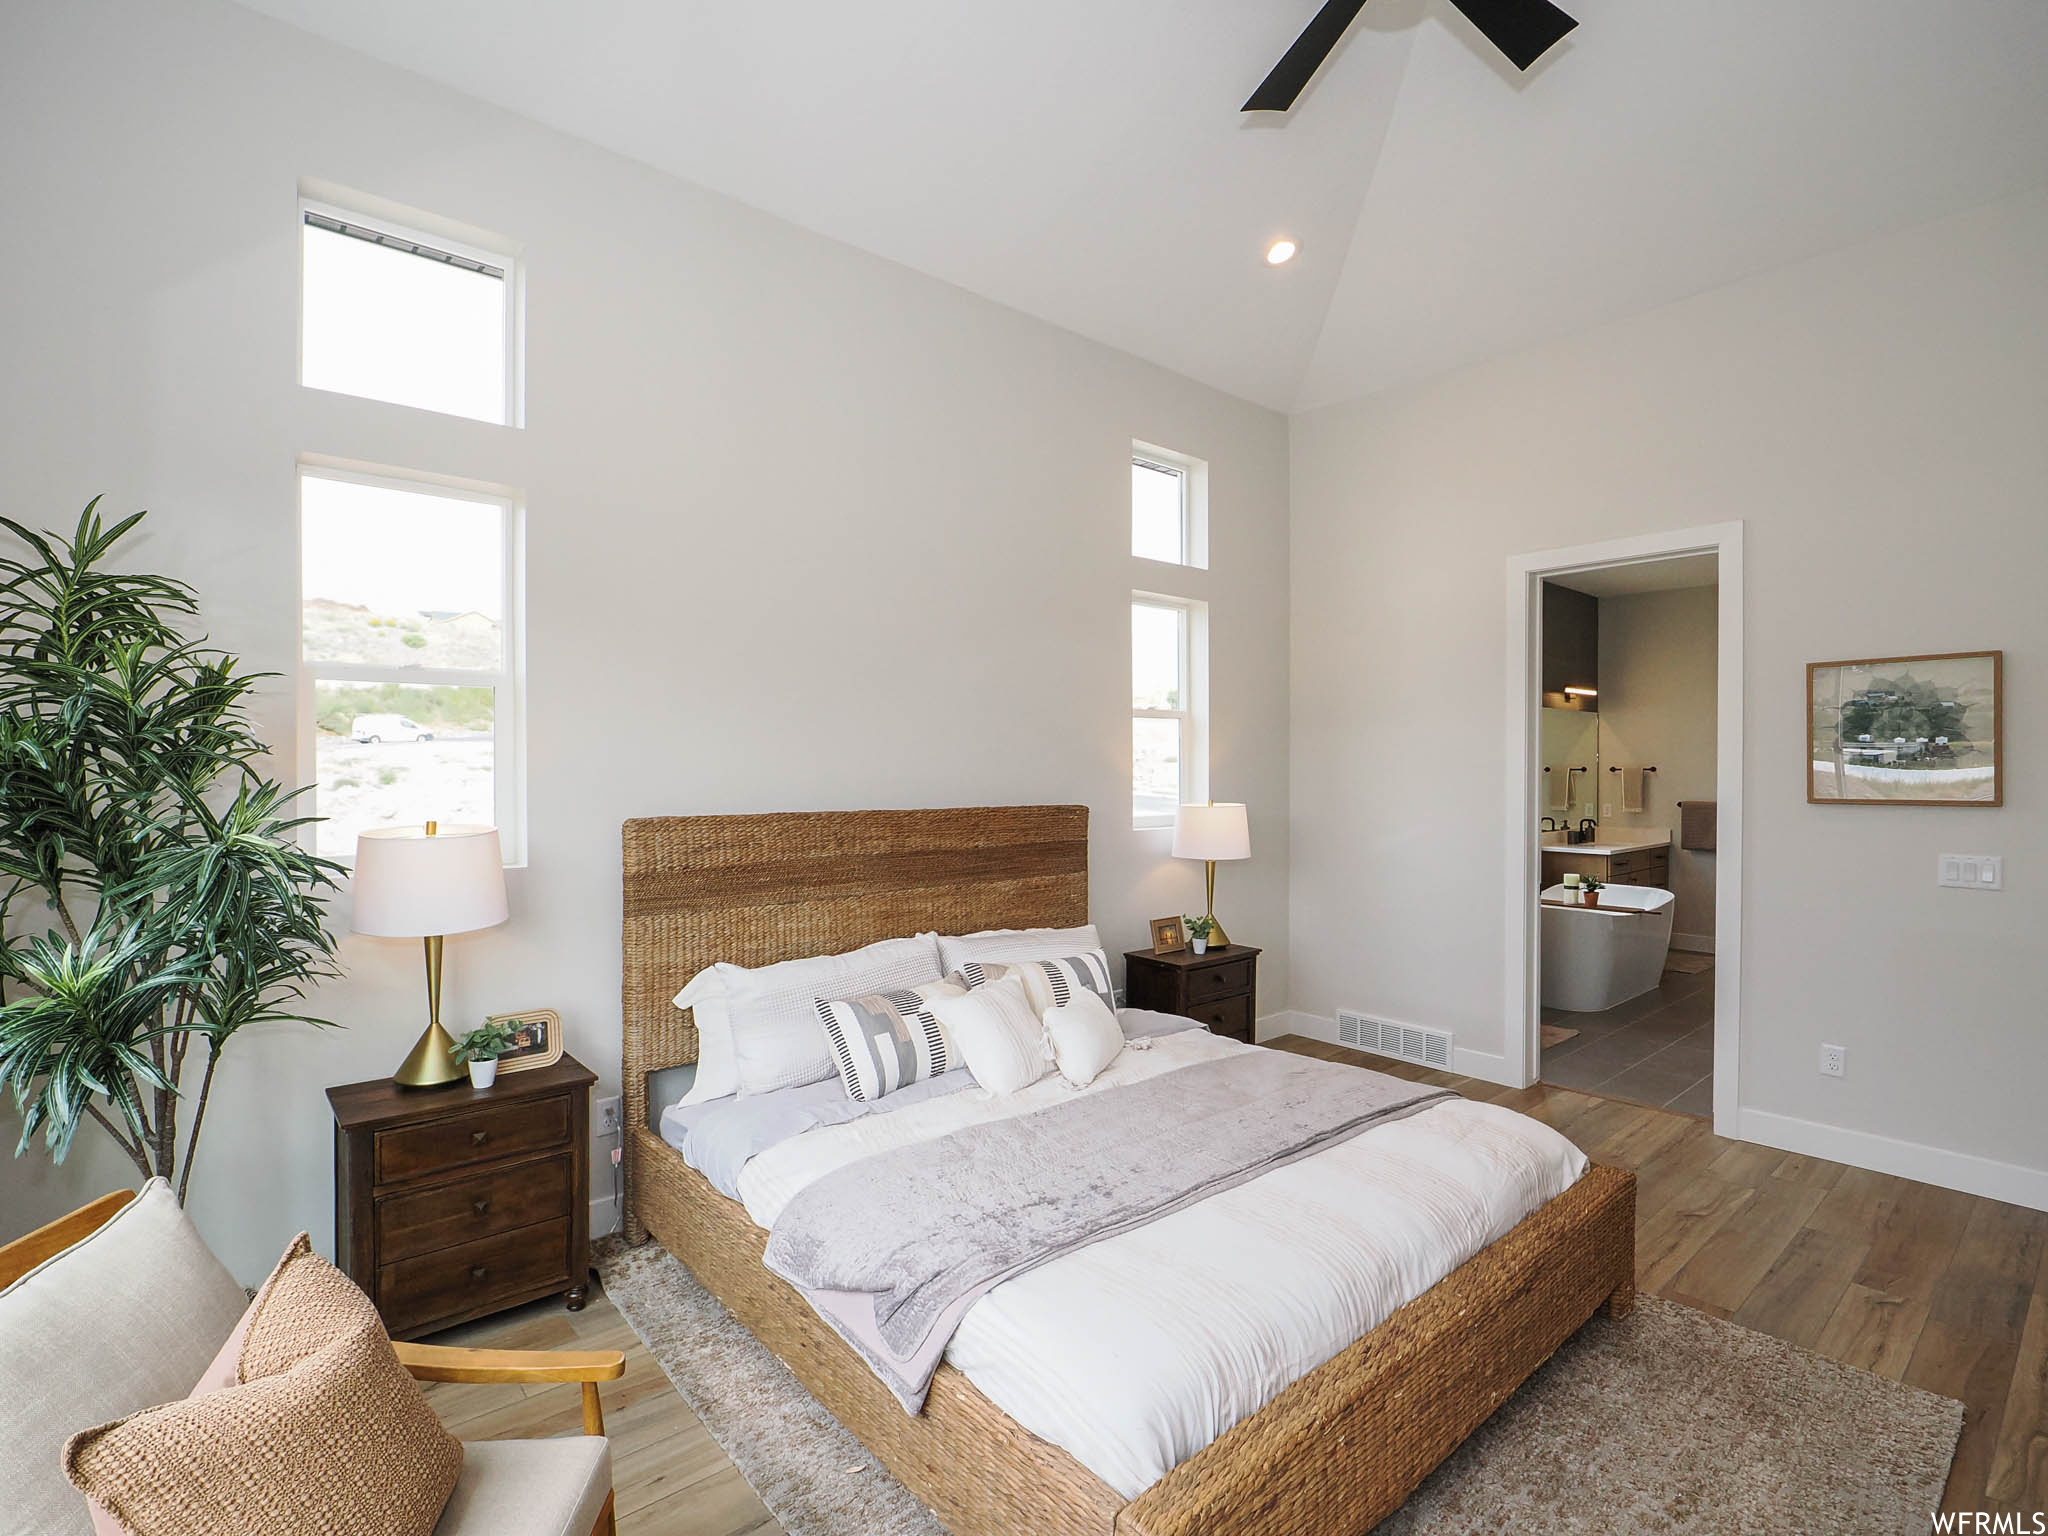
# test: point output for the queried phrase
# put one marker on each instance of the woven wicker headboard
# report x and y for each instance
(756, 889)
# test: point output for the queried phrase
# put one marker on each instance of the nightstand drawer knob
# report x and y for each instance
(478, 1138)
(477, 1272)
(480, 1206)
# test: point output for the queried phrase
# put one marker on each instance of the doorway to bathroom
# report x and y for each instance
(1624, 923)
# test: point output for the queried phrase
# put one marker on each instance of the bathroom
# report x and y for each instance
(1628, 741)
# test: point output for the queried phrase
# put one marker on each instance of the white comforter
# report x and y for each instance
(1135, 1352)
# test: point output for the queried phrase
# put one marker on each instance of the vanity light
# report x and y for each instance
(1280, 251)
(1584, 693)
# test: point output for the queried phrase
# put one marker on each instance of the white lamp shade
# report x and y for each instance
(1211, 832)
(412, 886)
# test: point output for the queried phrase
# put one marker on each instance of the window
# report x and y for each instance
(1167, 636)
(409, 610)
(1169, 507)
(395, 314)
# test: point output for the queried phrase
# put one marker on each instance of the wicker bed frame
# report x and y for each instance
(1332, 1455)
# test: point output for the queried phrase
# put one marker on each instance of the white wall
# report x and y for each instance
(1658, 665)
(1875, 416)
(805, 529)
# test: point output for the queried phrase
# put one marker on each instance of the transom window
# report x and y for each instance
(395, 314)
(409, 637)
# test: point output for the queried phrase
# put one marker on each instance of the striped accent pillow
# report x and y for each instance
(886, 1040)
(1048, 983)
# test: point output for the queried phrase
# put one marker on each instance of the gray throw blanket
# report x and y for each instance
(893, 1249)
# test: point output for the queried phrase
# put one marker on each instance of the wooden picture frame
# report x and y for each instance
(1936, 736)
(542, 1049)
(1168, 935)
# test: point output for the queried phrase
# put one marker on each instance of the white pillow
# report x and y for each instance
(718, 1074)
(1006, 946)
(776, 1038)
(997, 1034)
(1085, 1037)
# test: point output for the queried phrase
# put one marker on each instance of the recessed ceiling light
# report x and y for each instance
(1280, 251)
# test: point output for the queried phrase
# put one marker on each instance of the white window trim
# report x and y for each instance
(508, 752)
(1193, 714)
(418, 228)
(1194, 503)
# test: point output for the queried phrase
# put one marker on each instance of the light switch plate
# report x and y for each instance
(1971, 871)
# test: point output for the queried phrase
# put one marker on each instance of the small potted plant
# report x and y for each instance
(481, 1048)
(1199, 929)
(1589, 891)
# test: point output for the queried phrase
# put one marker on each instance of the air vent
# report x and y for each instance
(1424, 1047)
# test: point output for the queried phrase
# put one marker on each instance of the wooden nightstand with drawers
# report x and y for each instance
(451, 1203)
(1219, 988)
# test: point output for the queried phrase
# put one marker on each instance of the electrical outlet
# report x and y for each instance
(607, 1117)
(1117, 997)
(1834, 1060)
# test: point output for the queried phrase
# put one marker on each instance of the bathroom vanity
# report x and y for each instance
(1618, 858)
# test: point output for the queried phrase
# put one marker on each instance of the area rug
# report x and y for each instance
(1687, 963)
(1557, 1034)
(1668, 1422)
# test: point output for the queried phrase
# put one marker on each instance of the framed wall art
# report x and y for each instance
(1906, 730)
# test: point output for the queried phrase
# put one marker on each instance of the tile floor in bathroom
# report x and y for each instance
(1657, 1049)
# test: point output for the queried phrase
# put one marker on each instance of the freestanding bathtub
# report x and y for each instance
(1596, 957)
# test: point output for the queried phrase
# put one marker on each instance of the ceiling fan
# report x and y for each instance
(1522, 29)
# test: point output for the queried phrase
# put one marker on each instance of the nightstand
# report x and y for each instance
(1219, 988)
(451, 1203)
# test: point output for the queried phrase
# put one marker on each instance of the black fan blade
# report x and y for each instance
(1298, 66)
(1524, 30)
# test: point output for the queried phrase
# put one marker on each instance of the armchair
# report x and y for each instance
(120, 1305)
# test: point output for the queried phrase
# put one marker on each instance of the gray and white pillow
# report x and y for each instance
(1048, 983)
(887, 1040)
(1007, 946)
(773, 1008)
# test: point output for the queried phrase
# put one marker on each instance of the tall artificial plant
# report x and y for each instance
(153, 896)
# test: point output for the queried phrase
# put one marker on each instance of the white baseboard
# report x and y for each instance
(1965, 1171)
(1289, 1022)
(604, 1211)
(1487, 1066)
(1693, 943)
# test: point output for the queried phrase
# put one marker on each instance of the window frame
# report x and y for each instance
(1193, 640)
(506, 260)
(508, 680)
(1194, 504)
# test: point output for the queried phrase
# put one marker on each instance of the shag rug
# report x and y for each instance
(1669, 1422)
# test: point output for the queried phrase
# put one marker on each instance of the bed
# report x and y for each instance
(1333, 1453)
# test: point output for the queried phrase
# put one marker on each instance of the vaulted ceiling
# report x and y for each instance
(1084, 160)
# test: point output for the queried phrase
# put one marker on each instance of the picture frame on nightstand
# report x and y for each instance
(536, 1039)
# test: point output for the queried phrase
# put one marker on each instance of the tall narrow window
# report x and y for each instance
(395, 314)
(408, 616)
(1165, 741)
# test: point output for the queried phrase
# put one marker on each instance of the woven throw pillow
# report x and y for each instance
(326, 1434)
(1048, 983)
(887, 1040)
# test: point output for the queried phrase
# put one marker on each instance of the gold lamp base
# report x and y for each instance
(432, 1062)
(1218, 939)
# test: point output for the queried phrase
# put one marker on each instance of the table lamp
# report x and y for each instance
(1211, 832)
(426, 883)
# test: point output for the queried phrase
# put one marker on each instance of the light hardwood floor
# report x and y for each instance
(1944, 1290)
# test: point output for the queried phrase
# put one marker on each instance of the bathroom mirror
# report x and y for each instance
(1571, 765)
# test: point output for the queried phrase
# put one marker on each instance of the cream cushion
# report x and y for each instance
(529, 1487)
(125, 1319)
(998, 1035)
(1085, 1036)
